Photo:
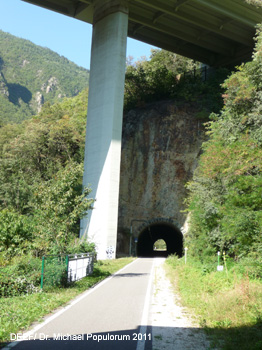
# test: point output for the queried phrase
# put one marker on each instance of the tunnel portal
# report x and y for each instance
(166, 231)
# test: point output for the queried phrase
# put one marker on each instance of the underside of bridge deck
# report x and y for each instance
(214, 32)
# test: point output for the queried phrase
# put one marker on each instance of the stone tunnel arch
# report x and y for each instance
(160, 230)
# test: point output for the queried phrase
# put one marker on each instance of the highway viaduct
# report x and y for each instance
(215, 32)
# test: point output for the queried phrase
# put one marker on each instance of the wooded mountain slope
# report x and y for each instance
(31, 75)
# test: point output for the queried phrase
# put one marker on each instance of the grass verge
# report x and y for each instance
(227, 305)
(18, 313)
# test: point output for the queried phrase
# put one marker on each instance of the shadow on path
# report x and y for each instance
(153, 339)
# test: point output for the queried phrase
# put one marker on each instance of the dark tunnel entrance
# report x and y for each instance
(152, 233)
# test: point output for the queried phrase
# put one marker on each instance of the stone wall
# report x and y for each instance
(160, 148)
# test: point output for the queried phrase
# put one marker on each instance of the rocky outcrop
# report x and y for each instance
(160, 148)
(37, 101)
(3, 86)
(25, 62)
(52, 84)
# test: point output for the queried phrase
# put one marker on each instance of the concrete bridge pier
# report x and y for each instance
(104, 123)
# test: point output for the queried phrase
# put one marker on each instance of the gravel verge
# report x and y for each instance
(173, 328)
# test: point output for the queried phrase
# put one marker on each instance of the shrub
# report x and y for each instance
(22, 277)
(225, 194)
(15, 232)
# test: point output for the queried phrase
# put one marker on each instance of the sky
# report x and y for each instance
(67, 36)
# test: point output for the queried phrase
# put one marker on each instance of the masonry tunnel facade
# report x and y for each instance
(154, 232)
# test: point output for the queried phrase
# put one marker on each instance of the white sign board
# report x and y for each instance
(79, 266)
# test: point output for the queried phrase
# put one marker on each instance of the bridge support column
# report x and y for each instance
(104, 123)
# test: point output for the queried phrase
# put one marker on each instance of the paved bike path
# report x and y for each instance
(108, 316)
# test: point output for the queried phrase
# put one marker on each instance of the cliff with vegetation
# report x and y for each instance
(162, 140)
(160, 149)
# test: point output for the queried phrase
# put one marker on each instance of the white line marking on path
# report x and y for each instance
(143, 327)
(58, 313)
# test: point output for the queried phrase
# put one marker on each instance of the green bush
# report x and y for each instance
(15, 233)
(80, 246)
(225, 196)
(250, 265)
(170, 76)
(21, 277)
(55, 271)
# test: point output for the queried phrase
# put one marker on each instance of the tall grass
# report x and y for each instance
(227, 304)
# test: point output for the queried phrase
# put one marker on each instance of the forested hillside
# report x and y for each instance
(226, 193)
(31, 75)
(41, 197)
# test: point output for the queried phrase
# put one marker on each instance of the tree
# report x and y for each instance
(41, 169)
(59, 204)
(225, 194)
(153, 79)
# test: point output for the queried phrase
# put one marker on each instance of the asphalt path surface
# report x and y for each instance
(113, 315)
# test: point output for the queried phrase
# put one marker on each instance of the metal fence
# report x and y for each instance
(63, 269)
(204, 73)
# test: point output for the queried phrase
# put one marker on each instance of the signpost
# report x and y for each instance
(219, 267)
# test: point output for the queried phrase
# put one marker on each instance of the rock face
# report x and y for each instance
(52, 84)
(3, 86)
(38, 101)
(160, 148)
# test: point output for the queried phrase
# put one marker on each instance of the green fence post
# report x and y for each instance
(67, 263)
(42, 272)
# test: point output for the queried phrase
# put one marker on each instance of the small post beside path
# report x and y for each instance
(186, 249)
